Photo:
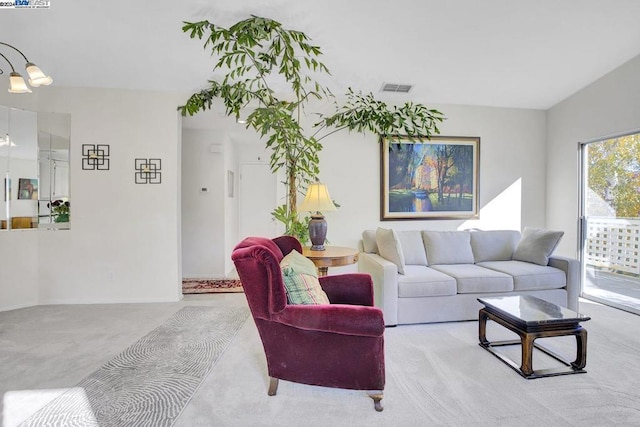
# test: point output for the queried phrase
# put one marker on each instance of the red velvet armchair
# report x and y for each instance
(337, 345)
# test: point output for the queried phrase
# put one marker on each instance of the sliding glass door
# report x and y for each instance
(610, 221)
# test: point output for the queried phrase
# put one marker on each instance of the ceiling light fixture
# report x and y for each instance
(16, 81)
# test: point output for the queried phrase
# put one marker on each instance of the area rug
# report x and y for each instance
(150, 382)
(203, 286)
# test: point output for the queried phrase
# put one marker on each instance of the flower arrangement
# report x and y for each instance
(60, 210)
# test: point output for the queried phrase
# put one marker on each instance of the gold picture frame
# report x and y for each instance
(429, 178)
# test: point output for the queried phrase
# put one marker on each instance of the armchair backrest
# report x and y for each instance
(257, 260)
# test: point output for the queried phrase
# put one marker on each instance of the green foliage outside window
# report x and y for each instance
(614, 177)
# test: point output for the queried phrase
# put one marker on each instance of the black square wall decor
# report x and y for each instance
(148, 171)
(95, 157)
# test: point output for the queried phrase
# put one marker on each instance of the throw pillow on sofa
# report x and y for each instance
(537, 245)
(369, 244)
(412, 247)
(494, 245)
(301, 280)
(389, 247)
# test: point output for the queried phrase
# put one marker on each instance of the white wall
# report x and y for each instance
(19, 273)
(610, 105)
(124, 242)
(203, 213)
(511, 165)
(124, 238)
(231, 212)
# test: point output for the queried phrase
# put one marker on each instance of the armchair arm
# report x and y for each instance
(334, 318)
(571, 268)
(352, 288)
(384, 275)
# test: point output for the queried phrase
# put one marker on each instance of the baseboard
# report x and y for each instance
(18, 306)
(109, 301)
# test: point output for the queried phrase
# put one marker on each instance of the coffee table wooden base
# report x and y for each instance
(527, 341)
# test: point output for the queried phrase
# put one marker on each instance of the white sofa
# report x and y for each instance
(423, 276)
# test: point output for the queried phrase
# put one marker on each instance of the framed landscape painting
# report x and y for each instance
(436, 178)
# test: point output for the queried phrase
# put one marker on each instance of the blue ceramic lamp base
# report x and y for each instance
(317, 231)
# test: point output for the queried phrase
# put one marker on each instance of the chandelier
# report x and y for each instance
(16, 81)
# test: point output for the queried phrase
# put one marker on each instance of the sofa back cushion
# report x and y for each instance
(412, 247)
(537, 245)
(448, 247)
(494, 245)
(389, 247)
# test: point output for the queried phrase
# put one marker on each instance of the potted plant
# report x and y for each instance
(256, 52)
(60, 210)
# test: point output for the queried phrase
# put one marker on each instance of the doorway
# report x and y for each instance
(610, 221)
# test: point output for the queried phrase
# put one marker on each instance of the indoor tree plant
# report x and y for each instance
(257, 54)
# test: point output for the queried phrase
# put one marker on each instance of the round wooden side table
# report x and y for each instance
(332, 256)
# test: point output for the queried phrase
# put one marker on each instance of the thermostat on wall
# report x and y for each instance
(204, 189)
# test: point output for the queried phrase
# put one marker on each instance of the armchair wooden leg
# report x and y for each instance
(273, 386)
(377, 397)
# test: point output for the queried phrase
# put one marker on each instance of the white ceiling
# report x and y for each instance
(523, 54)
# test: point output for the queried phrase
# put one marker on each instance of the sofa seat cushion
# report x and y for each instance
(422, 281)
(471, 278)
(528, 276)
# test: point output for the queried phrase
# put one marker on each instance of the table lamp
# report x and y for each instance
(317, 200)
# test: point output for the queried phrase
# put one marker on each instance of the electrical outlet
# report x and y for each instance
(111, 275)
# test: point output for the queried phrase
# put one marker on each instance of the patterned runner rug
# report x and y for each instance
(203, 286)
(150, 382)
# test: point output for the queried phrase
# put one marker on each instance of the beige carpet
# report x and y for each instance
(437, 375)
(151, 381)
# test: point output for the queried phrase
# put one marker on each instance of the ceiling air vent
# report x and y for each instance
(394, 87)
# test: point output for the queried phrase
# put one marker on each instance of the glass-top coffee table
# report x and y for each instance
(533, 318)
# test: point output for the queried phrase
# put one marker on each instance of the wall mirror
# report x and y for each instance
(34, 169)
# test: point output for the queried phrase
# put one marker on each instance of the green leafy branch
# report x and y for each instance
(257, 53)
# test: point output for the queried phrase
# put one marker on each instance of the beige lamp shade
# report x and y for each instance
(317, 199)
(17, 84)
(36, 76)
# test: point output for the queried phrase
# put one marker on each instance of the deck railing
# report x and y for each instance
(614, 243)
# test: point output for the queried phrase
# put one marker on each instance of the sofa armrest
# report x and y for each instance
(384, 275)
(571, 268)
(334, 318)
(351, 288)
